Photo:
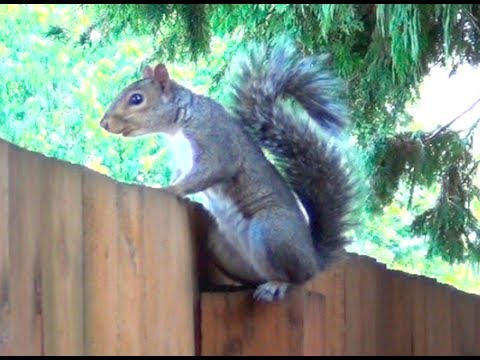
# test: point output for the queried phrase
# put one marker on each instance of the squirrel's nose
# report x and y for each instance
(104, 123)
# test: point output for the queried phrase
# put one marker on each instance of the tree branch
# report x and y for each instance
(473, 20)
(472, 128)
(445, 127)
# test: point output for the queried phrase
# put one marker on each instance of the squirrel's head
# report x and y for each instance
(144, 107)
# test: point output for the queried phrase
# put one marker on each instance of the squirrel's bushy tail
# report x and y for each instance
(310, 162)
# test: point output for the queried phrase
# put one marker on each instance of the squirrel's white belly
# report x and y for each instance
(182, 153)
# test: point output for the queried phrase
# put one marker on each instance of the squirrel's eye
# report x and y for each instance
(136, 99)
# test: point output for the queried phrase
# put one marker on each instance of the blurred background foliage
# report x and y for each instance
(61, 66)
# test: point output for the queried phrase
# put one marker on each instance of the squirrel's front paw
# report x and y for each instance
(271, 291)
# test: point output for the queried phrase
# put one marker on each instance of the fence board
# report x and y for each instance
(362, 299)
(5, 271)
(420, 347)
(397, 315)
(27, 184)
(463, 326)
(169, 279)
(130, 316)
(315, 325)
(100, 229)
(438, 319)
(62, 261)
(477, 327)
(331, 284)
(234, 324)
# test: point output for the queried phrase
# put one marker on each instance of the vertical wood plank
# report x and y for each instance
(372, 295)
(362, 298)
(131, 319)
(27, 185)
(5, 272)
(463, 324)
(169, 283)
(419, 317)
(234, 324)
(315, 325)
(353, 308)
(397, 315)
(331, 284)
(385, 313)
(100, 226)
(477, 327)
(62, 260)
(438, 319)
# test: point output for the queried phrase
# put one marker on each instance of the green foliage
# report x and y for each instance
(452, 228)
(182, 28)
(391, 158)
(420, 159)
(55, 92)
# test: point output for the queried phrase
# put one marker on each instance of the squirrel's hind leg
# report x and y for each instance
(282, 252)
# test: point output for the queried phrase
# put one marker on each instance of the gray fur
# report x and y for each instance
(261, 235)
(303, 144)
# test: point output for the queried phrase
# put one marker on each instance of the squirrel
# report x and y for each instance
(275, 227)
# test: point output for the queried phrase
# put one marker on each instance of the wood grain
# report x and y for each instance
(130, 315)
(62, 261)
(100, 229)
(234, 324)
(331, 284)
(27, 185)
(169, 282)
(5, 265)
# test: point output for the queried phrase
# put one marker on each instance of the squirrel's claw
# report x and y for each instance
(271, 291)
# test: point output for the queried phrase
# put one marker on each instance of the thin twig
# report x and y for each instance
(445, 127)
(475, 166)
(471, 129)
(412, 187)
(473, 20)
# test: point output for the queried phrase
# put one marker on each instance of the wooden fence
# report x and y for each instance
(92, 266)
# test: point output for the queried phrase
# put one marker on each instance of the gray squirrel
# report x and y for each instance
(262, 236)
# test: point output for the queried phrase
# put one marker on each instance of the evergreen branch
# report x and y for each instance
(262, 22)
(220, 22)
(445, 127)
(474, 168)
(472, 128)
(412, 187)
(473, 19)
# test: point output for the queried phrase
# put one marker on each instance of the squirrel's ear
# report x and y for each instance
(147, 72)
(161, 76)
